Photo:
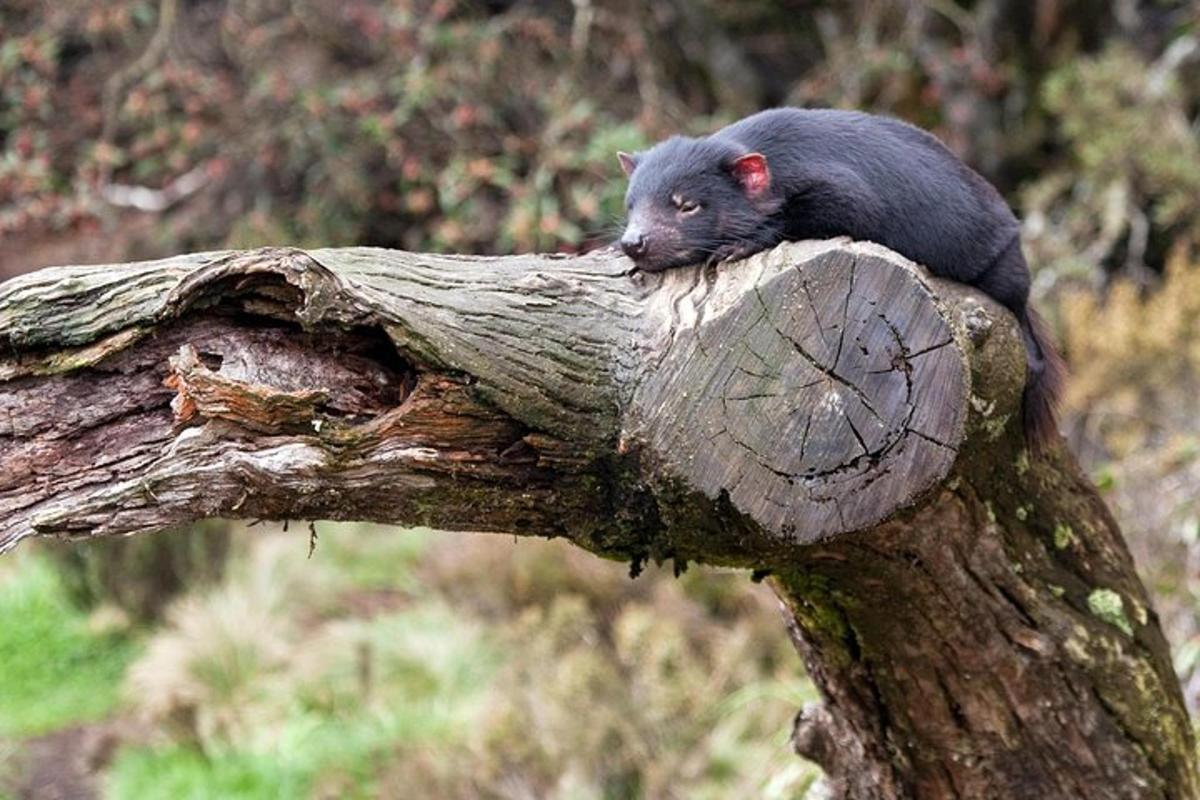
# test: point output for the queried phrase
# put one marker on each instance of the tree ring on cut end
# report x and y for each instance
(830, 395)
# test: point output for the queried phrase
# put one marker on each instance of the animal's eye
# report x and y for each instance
(685, 206)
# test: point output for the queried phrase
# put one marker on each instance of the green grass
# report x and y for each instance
(373, 557)
(429, 672)
(183, 773)
(55, 671)
(411, 664)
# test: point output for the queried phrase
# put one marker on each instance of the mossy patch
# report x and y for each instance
(1064, 536)
(816, 606)
(996, 426)
(1110, 607)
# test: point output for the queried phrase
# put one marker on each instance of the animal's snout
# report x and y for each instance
(634, 244)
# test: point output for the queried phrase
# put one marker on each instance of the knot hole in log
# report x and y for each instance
(255, 346)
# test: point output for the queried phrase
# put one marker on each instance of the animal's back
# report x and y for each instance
(927, 204)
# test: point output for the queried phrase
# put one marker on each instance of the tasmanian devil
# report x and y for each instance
(789, 174)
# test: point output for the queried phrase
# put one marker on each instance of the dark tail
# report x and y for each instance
(1043, 384)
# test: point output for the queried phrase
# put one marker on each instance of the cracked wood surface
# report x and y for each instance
(820, 401)
(824, 412)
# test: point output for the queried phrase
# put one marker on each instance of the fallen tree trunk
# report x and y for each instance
(824, 413)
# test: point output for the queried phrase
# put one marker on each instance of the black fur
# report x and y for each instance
(835, 173)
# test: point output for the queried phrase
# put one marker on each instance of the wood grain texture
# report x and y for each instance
(820, 395)
(272, 385)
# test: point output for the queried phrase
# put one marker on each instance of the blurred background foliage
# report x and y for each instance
(212, 663)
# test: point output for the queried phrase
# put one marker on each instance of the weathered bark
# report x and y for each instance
(824, 412)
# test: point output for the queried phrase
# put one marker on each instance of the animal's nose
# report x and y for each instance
(634, 245)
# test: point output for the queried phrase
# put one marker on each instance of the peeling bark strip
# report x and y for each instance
(824, 412)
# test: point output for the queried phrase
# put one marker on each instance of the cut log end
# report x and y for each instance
(831, 394)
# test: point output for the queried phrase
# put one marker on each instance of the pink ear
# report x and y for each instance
(751, 171)
(628, 162)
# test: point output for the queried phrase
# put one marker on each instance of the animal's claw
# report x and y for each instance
(730, 252)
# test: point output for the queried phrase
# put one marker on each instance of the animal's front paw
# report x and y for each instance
(732, 252)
